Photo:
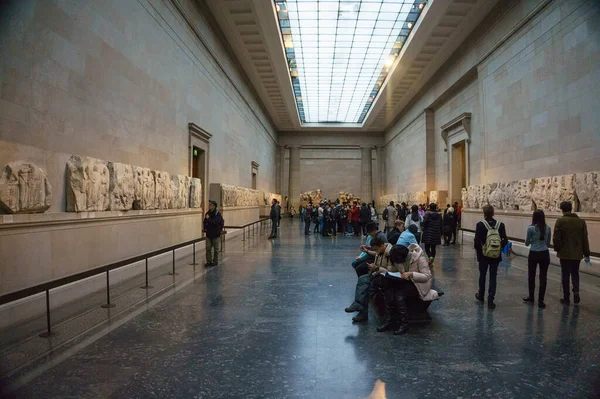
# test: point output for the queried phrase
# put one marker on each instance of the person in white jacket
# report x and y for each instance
(408, 275)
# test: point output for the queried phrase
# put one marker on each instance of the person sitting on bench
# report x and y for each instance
(408, 276)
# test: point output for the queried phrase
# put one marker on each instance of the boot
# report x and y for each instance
(361, 317)
(389, 321)
(403, 315)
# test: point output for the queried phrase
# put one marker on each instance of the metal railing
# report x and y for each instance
(251, 227)
(47, 286)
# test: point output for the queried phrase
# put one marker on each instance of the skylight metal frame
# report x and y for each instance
(340, 52)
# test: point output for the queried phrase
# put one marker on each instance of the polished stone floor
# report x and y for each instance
(270, 323)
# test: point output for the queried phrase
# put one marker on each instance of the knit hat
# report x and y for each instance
(213, 202)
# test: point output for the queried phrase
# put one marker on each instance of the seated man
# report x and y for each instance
(374, 232)
(411, 277)
(393, 234)
(364, 256)
(364, 285)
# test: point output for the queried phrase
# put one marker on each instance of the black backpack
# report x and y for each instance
(385, 214)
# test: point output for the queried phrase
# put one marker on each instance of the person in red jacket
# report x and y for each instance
(354, 216)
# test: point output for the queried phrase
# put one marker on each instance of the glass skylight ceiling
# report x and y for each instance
(339, 53)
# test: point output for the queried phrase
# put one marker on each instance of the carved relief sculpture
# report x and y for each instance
(87, 184)
(522, 194)
(180, 188)
(195, 193)
(268, 198)
(588, 192)
(562, 189)
(464, 194)
(163, 193)
(234, 196)
(121, 187)
(24, 188)
(144, 188)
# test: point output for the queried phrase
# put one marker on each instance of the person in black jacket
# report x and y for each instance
(213, 225)
(449, 225)
(432, 231)
(275, 217)
(365, 217)
(481, 232)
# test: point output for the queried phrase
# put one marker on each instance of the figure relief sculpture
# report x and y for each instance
(87, 184)
(164, 191)
(588, 192)
(234, 196)
(562, 190)
(522, 194)
(24, 188)
(144, 189)
(497, 196)
(269, 197)
(180, 186)
(195, 193)
(464, 194)
(121, 187)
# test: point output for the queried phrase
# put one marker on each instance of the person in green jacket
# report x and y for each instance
(571, 245)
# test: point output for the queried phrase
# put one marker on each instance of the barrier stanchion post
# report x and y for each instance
(108, 304)
(194, 256)
(173, 272)
(147, 286)
(48, 333)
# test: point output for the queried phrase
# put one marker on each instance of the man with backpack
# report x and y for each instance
(490, 238)
(389, 215)
(213, 225)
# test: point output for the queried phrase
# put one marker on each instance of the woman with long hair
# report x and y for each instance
(414, 218)
(538, 236)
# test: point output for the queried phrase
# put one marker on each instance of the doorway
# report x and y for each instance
(254, 181)
(459, 170)
(199, 166)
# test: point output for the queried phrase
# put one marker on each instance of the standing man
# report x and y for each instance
(571, 244)
(274, 215)
(308, 214)
(392, 214)
(354, 217)
(213, 225)
(490, 238)
(364, 218)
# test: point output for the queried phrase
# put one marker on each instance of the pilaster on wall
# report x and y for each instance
(429, 150)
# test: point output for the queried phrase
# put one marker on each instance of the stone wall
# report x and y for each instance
(544, 193)
(121, 81)
(532, 93)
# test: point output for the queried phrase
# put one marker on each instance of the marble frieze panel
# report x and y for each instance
(24, 188)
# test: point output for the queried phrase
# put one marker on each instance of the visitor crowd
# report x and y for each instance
(394, 266)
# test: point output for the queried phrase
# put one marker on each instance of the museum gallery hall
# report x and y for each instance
(300, 199)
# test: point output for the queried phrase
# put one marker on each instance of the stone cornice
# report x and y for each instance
(458, 124)
(198, 132)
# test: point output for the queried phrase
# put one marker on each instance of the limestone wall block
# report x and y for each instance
(87, 184)
(24, 188)
(121, 187)
(163, 192)
(587, 191)
(195, 193)
(144, 189)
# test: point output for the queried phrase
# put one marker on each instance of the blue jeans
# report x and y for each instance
(484, 264)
